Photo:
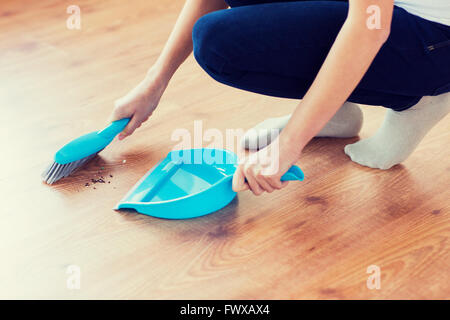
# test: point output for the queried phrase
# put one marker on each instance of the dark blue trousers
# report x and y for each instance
(277, 48)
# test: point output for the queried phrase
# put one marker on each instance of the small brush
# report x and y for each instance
(79, 151)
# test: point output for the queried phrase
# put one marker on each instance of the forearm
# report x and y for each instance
(348, 60)
(179, 45)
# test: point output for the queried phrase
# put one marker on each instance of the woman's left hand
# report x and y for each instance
(262, 170)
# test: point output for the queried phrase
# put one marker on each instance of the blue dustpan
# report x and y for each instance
(188, 184)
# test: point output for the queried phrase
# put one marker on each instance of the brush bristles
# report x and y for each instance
(56, 171)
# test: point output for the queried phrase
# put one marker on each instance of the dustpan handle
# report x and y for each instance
(293, 174)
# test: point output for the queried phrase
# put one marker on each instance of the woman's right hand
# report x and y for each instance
(139, 103)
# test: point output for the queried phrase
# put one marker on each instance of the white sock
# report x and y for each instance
(346, 123)
(399, 134)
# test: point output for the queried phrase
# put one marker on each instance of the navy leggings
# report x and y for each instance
(277, 48)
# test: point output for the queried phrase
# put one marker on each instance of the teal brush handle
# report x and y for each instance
(89, 144)
(114, 128)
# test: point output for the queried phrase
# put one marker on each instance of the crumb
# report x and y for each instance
(95, 188)
(109, 181)
(111, 175)
(98, 180)
(87, 184)
(124, 161)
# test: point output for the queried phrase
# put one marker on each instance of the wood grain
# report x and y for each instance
(313, 240)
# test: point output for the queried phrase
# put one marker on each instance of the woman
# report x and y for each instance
(330, 54)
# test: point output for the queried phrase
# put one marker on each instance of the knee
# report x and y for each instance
(208, 36)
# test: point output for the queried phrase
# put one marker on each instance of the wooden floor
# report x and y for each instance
(313, 240)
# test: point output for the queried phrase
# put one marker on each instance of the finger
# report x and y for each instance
(264, 182)
(275, 182)
(239, 183)
(119, 112)
(134, 123)
(251, 180)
